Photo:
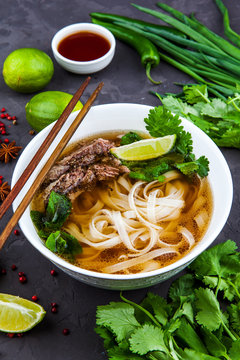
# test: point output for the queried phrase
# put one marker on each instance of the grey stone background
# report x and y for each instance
(32, 23)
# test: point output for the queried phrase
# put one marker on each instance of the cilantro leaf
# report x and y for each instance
(216, 109)
(231, 138)
(177, 106)
(223, 285)
(161, 122)
(187, 310)
(147, 338)
(189, 337)
(184, 143)
(158, 306)
(181, 287)
(153, 169)
(199, 166)
(209, 313)
(203, 166)
(129, 138)
(117, 353)
(235, 350)
(195, 94)
(215, 261)
(119, 318)
(214, 345)
(150, 173)
(234, 312)
(189, 354)
(106, 335)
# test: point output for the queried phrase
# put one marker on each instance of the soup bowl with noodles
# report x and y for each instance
(133, 233)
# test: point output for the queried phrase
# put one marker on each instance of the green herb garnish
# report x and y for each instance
(219, 119)
(129, 138)
(49, 226)
(190, 325)
(161, 122)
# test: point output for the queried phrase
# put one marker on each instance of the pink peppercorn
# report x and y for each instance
(23, 279)
(54, 310)
(66, 332)
(34, 298)
(53, 272)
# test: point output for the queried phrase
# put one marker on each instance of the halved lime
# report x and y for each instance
(145, 149)
(18, 315)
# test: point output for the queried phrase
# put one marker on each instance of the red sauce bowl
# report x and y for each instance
(83, 48)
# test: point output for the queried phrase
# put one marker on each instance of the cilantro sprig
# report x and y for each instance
(161, 122)
(191, 324)
(218, 118)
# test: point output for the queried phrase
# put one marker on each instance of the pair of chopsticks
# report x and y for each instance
(38, 156)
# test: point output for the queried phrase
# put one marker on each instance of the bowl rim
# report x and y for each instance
(196, 251)
(80, 27)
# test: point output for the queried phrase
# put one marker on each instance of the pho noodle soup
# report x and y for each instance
(124, 225)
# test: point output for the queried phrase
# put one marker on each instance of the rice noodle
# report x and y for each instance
(201, 219)
(140, 260)
(188, 236)
(140, 217)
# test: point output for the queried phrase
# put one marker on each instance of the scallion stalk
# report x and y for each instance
(230, 34)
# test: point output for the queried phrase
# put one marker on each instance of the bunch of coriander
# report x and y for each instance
(190, 325)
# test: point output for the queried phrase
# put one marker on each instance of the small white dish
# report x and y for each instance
(83, 67)
(112, 117)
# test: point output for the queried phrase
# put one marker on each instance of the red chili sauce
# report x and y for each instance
(83, 46)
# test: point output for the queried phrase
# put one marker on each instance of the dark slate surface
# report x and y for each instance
(32, 23)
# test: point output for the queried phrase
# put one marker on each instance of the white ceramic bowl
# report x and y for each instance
(130, 117)
(83, 67)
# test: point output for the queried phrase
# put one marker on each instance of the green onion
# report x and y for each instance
(190, 58)
(204, 31)
(232, 35)
(178, 25)
(194, 45)
(221, 42)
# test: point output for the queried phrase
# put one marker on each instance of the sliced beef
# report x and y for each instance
(85, 155)
(105, 172)
(82, 169)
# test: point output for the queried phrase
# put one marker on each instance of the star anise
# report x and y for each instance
(4, 190)
(9, 151)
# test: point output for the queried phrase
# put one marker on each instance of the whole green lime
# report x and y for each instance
(46, 107)
(27, 70)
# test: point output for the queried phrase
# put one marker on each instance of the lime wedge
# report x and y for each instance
(18, 315)
(145, 149)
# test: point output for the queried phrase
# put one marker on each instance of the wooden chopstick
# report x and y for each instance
(43, 172)
(43, 148)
